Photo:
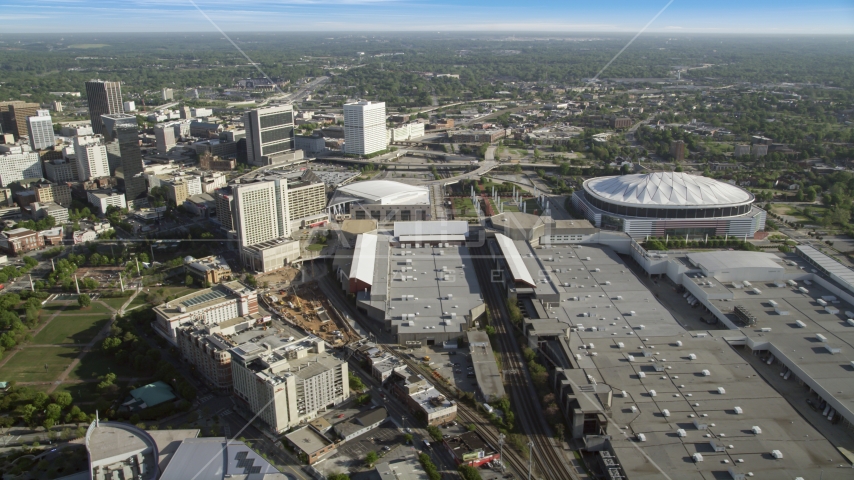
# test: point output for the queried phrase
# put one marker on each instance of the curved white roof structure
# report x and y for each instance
(666, 189)
(383, 192)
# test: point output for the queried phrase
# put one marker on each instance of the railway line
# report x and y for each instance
(511, 459)
(550, 463)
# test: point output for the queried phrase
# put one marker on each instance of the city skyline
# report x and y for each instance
(726, 17)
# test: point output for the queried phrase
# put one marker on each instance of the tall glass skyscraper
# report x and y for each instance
(103, 98)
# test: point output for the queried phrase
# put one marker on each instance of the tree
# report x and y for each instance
(435, 433)
(407, 438)
(371, 458)
(338, 476)
(469, 473)
(83, 300)
(188, 281)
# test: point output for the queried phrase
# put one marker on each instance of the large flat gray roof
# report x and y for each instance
(415, 284)
(486, 371)
(619, 317)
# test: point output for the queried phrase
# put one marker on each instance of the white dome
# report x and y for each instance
(667, 189)
(384, 192)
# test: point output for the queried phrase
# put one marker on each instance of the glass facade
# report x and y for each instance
(655, 212)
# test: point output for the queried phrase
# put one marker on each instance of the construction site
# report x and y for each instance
(306, 308)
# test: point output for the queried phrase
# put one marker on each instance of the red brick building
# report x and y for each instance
(20, 240)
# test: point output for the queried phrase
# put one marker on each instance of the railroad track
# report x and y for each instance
(550, 463)
(511, 458)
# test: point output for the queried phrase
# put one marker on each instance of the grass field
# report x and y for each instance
(114, 302)
(95, 307)
(96, 364)
(28, 364)
(532, 206)
(461, 204)
(315, 247)
(71, 329)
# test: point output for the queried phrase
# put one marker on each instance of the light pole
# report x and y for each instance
(530, 457)
(501, 450)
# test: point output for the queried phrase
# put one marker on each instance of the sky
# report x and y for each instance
(567, 16)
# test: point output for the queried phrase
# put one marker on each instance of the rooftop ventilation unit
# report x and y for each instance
(756, 430)
(642, 375)
(665, 412)
(641, 437)
(821, 338)
(697, 457)
(776, 454)
(801, 324)
(721, 390)
(738, 410)
(692, 356)
(706, 373)
(652, 393)
(681, 432)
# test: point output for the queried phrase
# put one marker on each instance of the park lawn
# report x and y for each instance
(94, 308)
(55, 307)
(71, 329)
(115, 302)
(532, 206)
(28, 365)
(95, 364)
(464, 203)
(315, 247)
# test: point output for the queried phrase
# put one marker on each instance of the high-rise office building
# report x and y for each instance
(132, 168)
(224, 202)
(364, 128)
(111, 121)
(269, 133)
(261, 212)
(164, 136)
(92, 161)
(103, 98)
(40, 129)
(15, 117)
(168, 94)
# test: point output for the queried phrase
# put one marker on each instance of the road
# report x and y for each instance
(292, 97)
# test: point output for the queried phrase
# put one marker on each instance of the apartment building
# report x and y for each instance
(15, 167)
(92, 161)
(61, 170)
(206, 346)
(59, 193)
(287, 382)
(212, 305)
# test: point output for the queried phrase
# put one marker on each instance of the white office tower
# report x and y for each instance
(40, 129)
(92, 159)
(164, 136)
(269, 134)
(18, 165)
(261, 212)
(364, 128)
(129, 106)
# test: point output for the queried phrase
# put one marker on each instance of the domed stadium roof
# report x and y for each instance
(666, 189)
(384, 192)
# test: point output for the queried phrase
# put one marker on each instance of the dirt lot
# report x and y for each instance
(284, 276)
(307, 308)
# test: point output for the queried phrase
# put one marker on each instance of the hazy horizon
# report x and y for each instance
(822, 17)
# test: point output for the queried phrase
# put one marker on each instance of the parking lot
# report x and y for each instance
(350, 456)
(441, 360)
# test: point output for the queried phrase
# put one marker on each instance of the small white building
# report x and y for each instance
(101, 199)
